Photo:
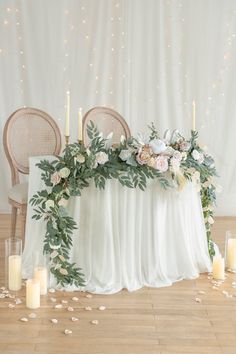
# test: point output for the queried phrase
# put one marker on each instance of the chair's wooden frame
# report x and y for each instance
(17, 168)
(108, 111)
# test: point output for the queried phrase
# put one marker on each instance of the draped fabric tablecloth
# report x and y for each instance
(128, 238)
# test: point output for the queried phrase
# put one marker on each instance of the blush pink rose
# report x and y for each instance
(161, 163)
(55, 178)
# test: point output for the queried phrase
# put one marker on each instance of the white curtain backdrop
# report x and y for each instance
(147, 59)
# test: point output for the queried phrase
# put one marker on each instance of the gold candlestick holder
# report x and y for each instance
(67, 139)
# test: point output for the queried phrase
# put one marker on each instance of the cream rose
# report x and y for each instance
(64, 172)
(80, 158)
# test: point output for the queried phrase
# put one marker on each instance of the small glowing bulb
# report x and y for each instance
(112, 49)
(112, 35)
(23, 66)
(90, 64)
(96, 77)
(87, 37)
(8, 9)
(5, 22)
(84, 21)
(20, 38)
(18, 23)
(66, 55)
(21, 52)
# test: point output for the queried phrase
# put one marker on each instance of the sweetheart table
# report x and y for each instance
(127, 238)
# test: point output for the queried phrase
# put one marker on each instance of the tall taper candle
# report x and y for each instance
(67, 113)
(194, 116)
(80, 125)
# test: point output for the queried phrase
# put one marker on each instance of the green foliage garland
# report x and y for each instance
(132, 163)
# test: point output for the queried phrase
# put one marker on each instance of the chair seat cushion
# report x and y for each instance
(19, 193)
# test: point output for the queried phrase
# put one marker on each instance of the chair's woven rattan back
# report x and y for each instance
(29, 132)
(107, 120)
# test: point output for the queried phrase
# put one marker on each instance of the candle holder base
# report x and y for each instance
(80, 142)
(67, 139)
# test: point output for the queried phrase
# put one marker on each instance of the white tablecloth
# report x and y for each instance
(128, 238)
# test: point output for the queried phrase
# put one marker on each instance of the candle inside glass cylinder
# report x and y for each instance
(14, 272)
(218, 268)
(231, 254)
(32, 294)
(41, 274)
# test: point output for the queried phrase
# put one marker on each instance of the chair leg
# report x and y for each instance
(13, 221)
(23, 222)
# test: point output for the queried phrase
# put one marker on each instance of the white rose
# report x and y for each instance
(101, 157)
(157, 146)
(88, 152)
(64, 172)
(80, 158)
(49, 204)
(196, 155)
(125, 154)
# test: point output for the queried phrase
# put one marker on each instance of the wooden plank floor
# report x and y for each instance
(153, 321)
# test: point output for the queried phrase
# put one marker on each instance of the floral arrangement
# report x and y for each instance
(172, 160)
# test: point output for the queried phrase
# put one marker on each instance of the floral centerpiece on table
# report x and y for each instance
(172, 161)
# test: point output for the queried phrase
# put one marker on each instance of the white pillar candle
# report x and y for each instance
(194, 116)
(14, 272)
(218, 269)
(80, 125)
(231, 254)
(41, 274)
(67, 113)
(32, 294)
